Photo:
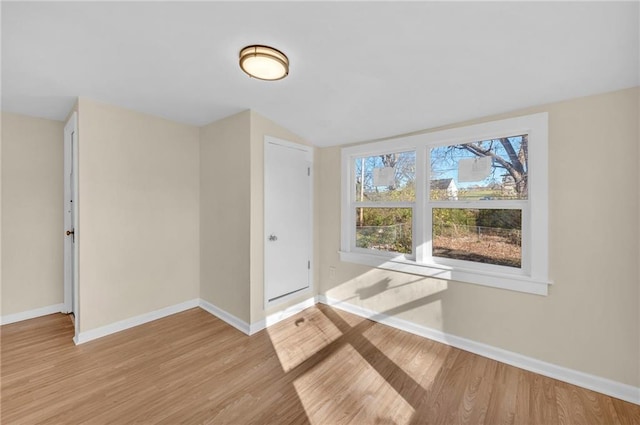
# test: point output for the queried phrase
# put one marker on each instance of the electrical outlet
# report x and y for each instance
(332, 273)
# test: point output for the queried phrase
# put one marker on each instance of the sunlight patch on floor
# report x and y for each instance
(421, 363)
(346, 382)
(296, 340)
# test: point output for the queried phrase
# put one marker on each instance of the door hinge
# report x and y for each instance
(309, 171)
(309, 264)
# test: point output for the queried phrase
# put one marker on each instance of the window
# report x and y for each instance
(477, 193)
(384, 201)
(467, 204)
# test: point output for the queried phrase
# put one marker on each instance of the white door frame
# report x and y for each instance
(71, 249)
(309, 153)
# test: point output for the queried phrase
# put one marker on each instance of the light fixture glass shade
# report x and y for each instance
(264, 62)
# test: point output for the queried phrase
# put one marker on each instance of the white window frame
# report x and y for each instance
(532, 277)
(380, 204)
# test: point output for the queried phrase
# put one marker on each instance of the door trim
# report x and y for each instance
(71, 250)
(310, 289)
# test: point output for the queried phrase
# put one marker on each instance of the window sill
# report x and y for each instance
(496, 280)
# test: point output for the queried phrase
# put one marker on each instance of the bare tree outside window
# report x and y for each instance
(489, 235)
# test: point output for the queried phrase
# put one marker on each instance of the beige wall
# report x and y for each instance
(153, 195)
(260, 127)
(231, 214)
(589, 321)
(32, 213)
(138, 213)
(225, 214)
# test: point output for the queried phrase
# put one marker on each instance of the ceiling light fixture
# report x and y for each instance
(264, 62)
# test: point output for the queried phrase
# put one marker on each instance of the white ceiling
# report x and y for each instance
(359, 71)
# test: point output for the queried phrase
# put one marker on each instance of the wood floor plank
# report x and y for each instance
(628, 414)
(581, 406)
(523, 399)
(318, 367)
(570, 410)
(543, 405)
(502, 404)
(464, 395)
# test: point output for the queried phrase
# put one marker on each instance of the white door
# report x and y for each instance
(287, 218)
(70, 171)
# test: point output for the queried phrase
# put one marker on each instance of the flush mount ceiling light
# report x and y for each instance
(264, 62)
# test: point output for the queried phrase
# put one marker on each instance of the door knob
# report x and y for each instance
(273, 238)
(70, 232)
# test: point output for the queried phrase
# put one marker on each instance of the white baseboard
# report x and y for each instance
(278, 316)
(252, 328)
(223, 315)
(229, 318)
(92, 334)
(31, 314)
(602, 385)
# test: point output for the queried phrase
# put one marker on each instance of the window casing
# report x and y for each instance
(507, 221)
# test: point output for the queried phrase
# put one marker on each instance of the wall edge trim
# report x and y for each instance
(225, 316)
(31, 314)
(141, 319)
(592, 382)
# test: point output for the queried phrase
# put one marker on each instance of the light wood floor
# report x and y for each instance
(322, 366)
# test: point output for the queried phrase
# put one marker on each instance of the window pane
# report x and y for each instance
(388, 177)
(490, 169)
(492, 236)
(385, 229)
